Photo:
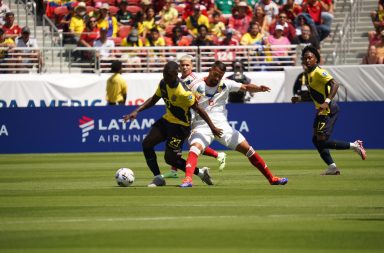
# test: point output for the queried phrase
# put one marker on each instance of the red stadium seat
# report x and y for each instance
(168, 30)
(113, 10)
(124, 31)
(133, 9)
(134, 2)
(61, 11)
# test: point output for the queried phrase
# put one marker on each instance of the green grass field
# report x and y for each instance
(70, 203)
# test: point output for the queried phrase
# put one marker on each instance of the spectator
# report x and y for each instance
(189, 6)
(31, 56)
(306, 37)
(327, 12)
(229, 40)
(375, 36)
(202, 38)
(169, 15)
(177, 38)
(289, 30)
(253, 36)
(88, 37)
(240, 20)
(372, 57)
(314, 9)
(7, 43)
(123, 16)
(217, 28)
(107, 21)
(380, 46)
(11, 29)
(244, 6)
(104, 47)
(194, 21)
(225, 7)
(148, 22)
(3, 10)
(145, 5)
(270, 8)
(77, 23)
(238, 76)
(132, 57)
(155, 39)
(378, 16)
(260, 18)
(305, 19)
(278, 39)
(291, 9)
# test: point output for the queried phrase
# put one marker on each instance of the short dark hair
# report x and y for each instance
(313, 50)
(171, 65)
(116, 66)
(220, 65)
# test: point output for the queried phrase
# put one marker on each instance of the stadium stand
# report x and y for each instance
(347, 43)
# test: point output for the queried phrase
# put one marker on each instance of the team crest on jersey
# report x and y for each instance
(325, 73)
(173, 98)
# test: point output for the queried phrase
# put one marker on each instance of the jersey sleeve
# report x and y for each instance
(233, 86)
(158, 91)
(324, 75)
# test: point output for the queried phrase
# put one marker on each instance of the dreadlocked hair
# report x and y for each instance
(313, 50)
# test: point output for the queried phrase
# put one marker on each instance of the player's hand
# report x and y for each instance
(295, 99)
(217, 131)
(130, 116)
(263, 88)
(323, 106)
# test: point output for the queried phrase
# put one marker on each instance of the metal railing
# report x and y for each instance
(345, 32)
(151, 59)
(18, 60)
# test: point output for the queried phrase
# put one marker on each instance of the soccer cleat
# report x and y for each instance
(171, 174)
(187, 182)
(279, 181)
(360, 149)
(221, 157)
(157, 181)
(331, 171)
(206, 178)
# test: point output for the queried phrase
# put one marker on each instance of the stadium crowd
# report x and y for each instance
(375, 54)
(135, 23)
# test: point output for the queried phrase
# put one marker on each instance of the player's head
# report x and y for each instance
(310, 57)
(116, 67)
(170, 72)
(186, 65)
(216, 73)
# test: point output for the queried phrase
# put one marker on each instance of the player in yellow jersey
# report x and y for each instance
(322, 89)
(174, 127)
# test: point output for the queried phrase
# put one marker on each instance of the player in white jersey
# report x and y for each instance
(212, 93)
(188, 76)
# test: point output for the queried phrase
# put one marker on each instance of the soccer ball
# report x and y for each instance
(124, 177)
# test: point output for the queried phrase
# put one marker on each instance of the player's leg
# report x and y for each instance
(199, 139)
(155, 136)
(220, 156)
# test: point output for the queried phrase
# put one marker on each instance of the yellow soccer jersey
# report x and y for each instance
(178, 102)
(116, 88)
(318, 86)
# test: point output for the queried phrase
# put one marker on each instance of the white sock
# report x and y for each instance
(332, 165)
(201, 173)
(352, 145)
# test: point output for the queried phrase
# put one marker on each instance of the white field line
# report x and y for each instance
(165, 218)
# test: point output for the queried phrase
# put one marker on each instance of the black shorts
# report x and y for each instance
(323, 124)
(175, 134)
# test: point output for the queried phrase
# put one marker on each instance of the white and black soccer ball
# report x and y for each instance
(124, 177)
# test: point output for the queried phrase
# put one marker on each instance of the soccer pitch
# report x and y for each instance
(71, 203)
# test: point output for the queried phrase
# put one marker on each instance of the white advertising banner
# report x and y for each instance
(56, 90)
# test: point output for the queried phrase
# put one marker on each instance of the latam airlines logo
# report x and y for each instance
(86, 124)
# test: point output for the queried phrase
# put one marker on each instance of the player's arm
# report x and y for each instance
(334, 87)
(254, 88)
(216, 131)
(147, 104)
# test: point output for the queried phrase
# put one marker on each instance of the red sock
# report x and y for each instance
(259, 163)
(210, 152)
(191, 164)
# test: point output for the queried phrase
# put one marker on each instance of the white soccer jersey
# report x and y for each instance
(213, 99)
(189, 79)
